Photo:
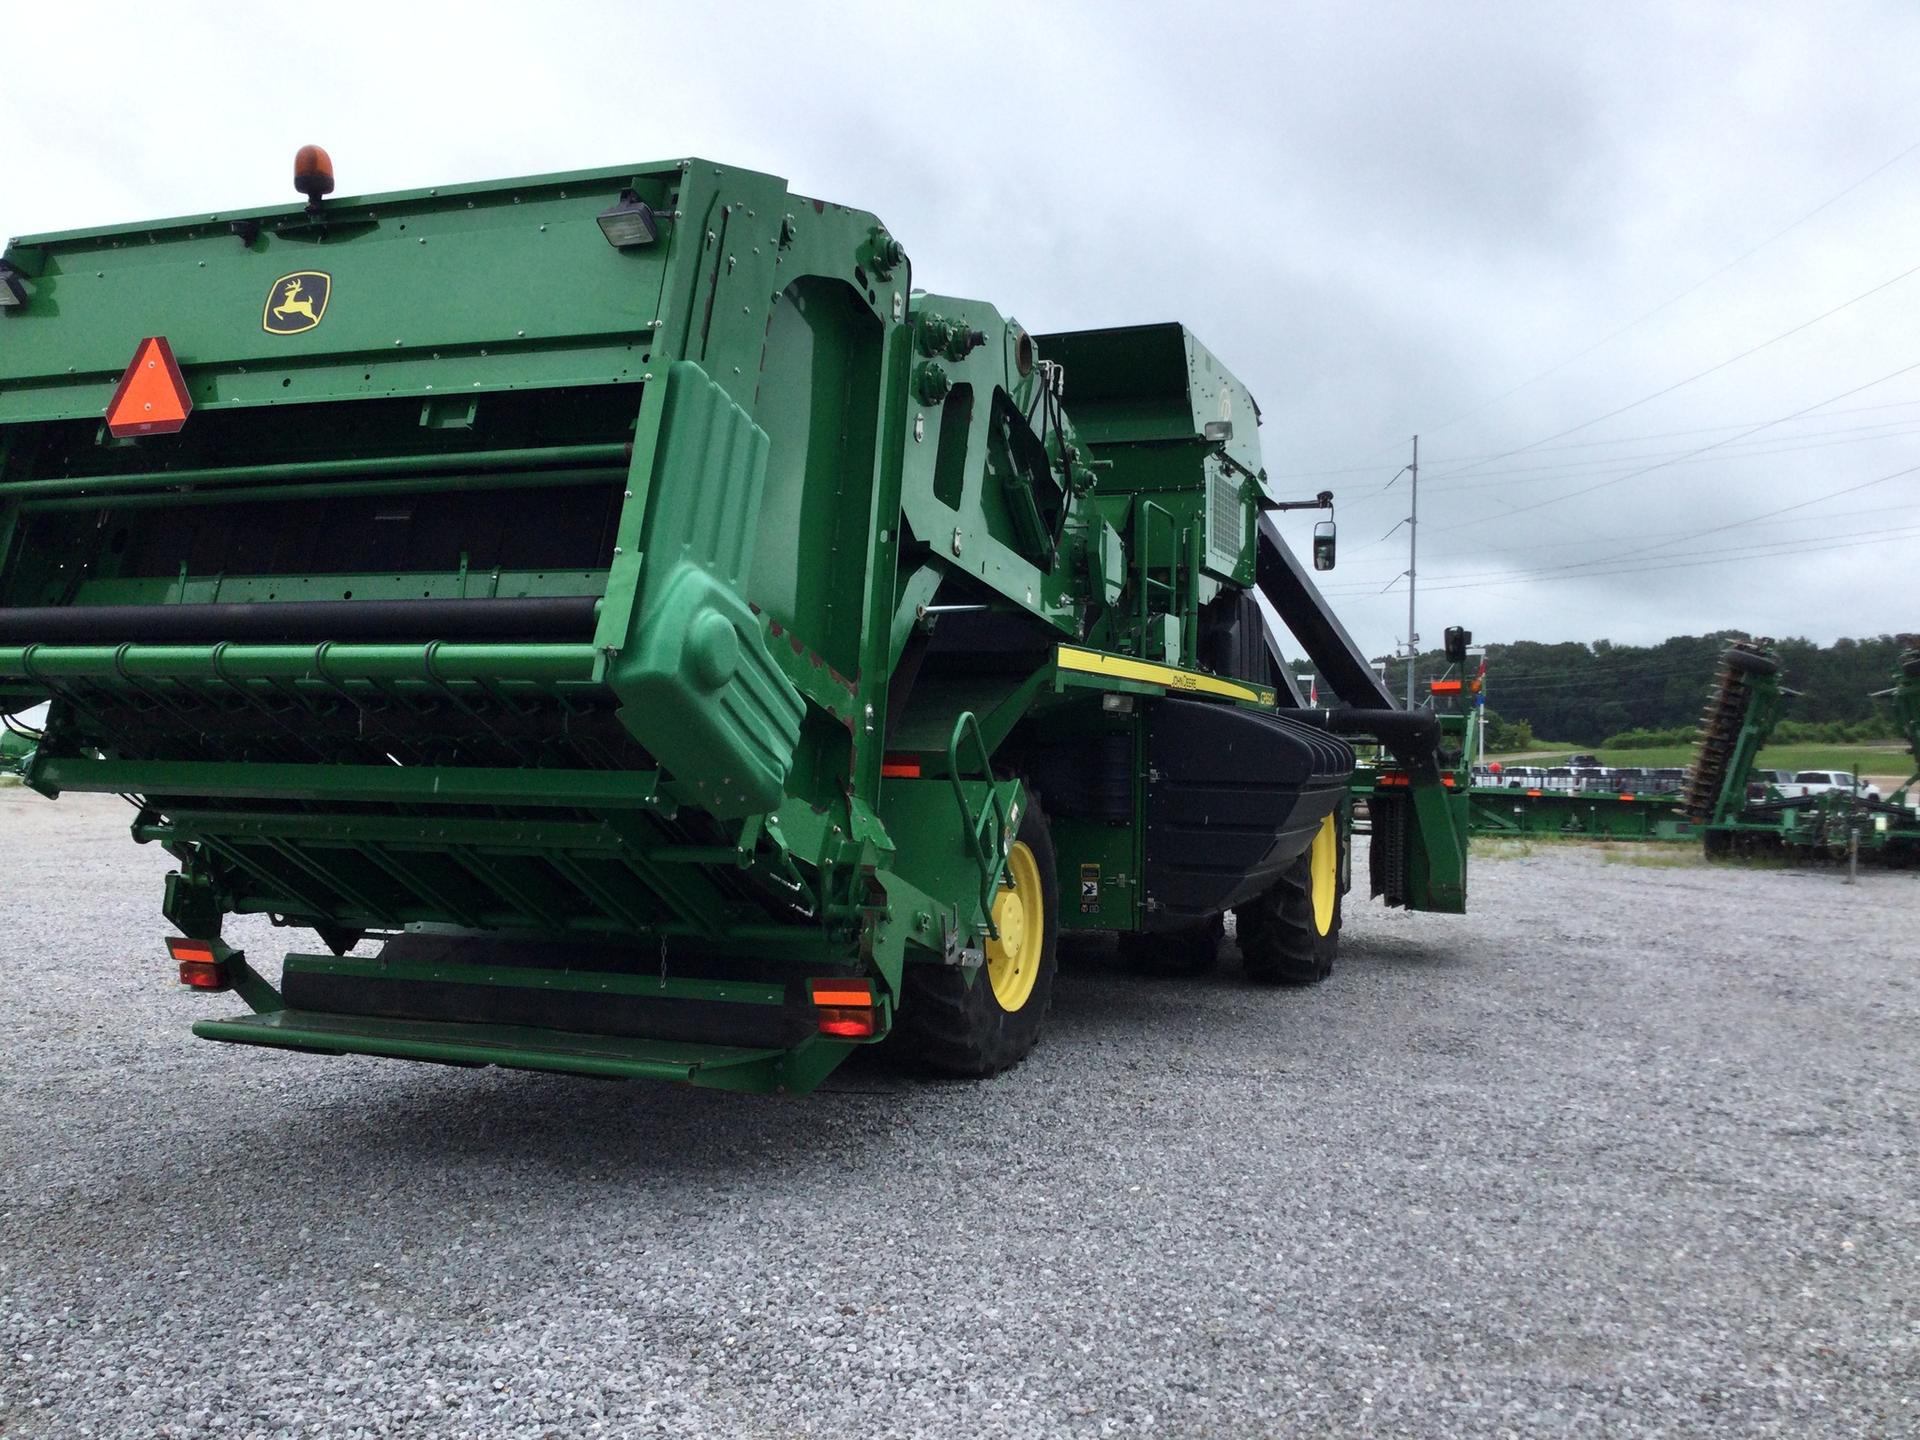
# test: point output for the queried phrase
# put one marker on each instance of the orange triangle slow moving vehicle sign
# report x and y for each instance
(152, 398)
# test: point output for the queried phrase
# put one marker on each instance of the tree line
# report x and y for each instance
(1603, 693)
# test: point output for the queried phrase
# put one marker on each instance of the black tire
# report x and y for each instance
(1280, 943)
(1190, 950)
(950, 1019)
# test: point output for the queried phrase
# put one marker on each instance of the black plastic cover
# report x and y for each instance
(1232, 798)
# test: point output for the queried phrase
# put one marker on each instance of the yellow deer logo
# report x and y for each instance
(296, 302)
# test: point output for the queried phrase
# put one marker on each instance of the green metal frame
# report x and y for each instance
(757, 449)
(1826, 825)
(1495, 811)
(1438, 821)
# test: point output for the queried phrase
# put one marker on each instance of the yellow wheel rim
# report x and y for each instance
(1020, 915)
(1324, 867)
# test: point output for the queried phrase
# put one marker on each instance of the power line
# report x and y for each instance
(1653, 541)
(1674, 300)
(1698, 285)
(1797, 505)
(1779, 550)
(1751, 519)
(1689, 455)
(1589, 444)
(1754, 549)
(1359, 586)
(1738, 445)
(1714, 369)
(1523, 689)
(1635, 474)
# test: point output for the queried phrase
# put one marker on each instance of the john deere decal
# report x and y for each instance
(296, 302)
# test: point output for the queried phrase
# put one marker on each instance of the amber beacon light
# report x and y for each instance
(313, 174)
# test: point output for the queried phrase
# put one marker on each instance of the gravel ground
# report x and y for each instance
(1630, 1151)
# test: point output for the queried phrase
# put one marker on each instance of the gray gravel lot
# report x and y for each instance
(1629, 1151)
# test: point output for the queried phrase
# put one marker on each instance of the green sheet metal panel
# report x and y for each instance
(491, 286)
(697, 685)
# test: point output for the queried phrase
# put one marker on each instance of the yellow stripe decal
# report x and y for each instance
(1092, 662)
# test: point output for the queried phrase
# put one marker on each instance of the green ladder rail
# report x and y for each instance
(990, 856)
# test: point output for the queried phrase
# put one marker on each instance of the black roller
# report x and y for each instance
(566, 617)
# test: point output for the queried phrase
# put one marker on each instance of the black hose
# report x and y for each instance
(1412, 735)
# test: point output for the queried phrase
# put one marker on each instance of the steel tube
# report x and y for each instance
(552, 664)
(401, 784)
(550, 617)
(325, 490)
(317, 469)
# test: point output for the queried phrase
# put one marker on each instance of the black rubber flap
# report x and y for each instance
(1233, 797)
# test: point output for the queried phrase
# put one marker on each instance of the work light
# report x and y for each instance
(628, 221)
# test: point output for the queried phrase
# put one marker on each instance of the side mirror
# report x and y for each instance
(1457, 642)
(1323, 546)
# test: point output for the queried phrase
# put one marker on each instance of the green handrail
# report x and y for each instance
(990, 856)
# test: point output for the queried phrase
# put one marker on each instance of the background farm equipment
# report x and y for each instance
(1741, 813)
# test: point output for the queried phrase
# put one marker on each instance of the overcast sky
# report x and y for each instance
(1495, 226)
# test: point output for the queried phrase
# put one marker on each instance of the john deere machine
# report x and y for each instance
(1739, 814)
(641, 635)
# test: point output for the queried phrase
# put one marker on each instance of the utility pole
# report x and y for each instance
(1412, 522)
(1413, 555)
(1480, 700)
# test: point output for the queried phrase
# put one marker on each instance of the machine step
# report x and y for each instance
(517, 1047)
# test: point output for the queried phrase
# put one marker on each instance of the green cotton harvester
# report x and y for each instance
(641, 635)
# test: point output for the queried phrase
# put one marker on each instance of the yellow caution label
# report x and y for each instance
(1119, 667)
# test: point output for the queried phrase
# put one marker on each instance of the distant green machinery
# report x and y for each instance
(1904, 694)
(1535, 814)
(1739, 814)
(690, 650)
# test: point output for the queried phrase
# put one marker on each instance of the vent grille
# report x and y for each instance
(1226, 524)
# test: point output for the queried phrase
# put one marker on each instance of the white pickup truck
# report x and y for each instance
(1822, 782)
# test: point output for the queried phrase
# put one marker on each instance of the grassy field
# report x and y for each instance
(1888, 757)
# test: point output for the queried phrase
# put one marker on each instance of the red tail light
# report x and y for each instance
(848, 1023)
(846, 1008)
(199, 967)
